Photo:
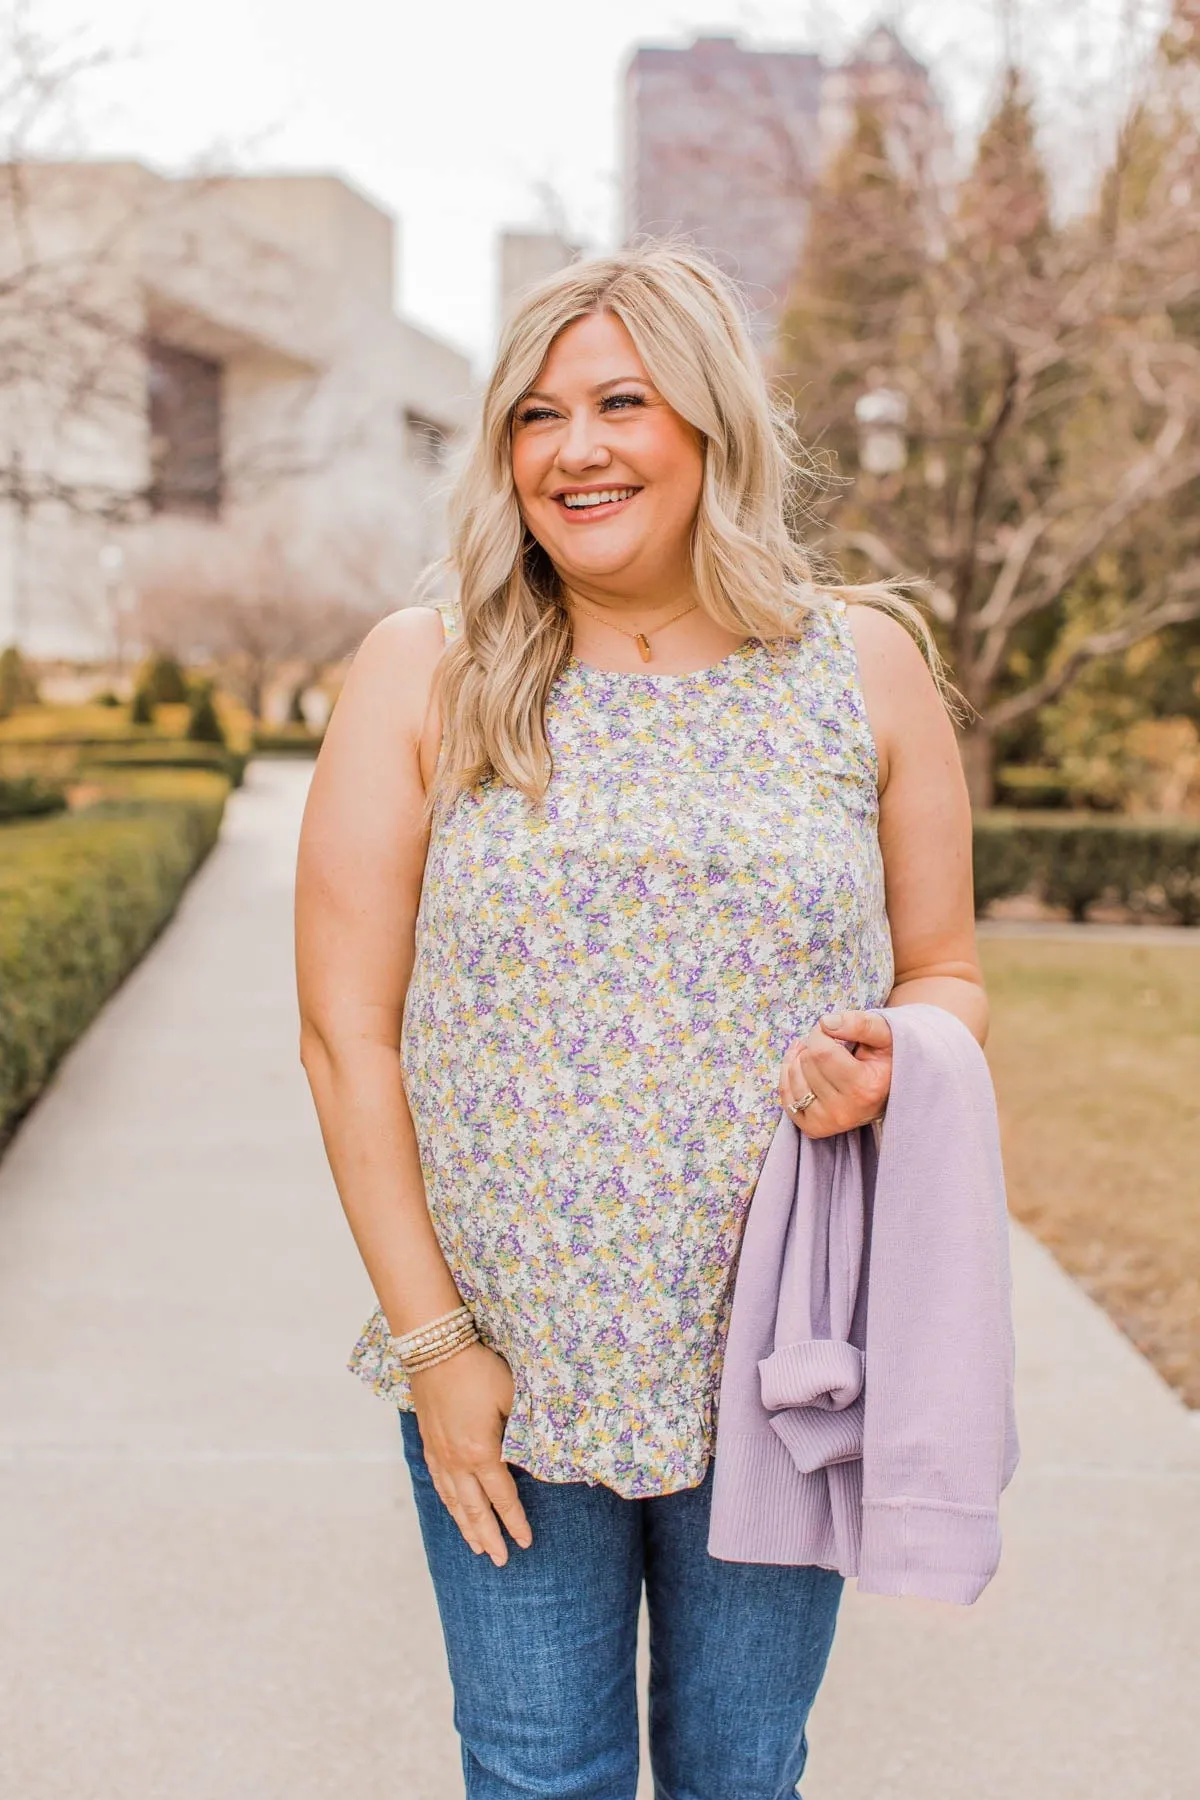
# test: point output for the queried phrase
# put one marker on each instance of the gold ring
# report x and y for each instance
(802, 1105)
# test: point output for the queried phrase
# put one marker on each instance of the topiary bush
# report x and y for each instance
(141, 707)
(1076, 860)
(82, 896)
(17, 686)
(204, 724)
(163, 676)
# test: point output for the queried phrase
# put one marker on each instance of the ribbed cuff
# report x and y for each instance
(821, 1372)
(920, 1547)
(816, 1439)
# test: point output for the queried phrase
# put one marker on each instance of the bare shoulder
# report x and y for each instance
(905, 709)
(886, 650)
(391, 678)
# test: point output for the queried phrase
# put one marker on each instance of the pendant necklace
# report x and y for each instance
(640, 638)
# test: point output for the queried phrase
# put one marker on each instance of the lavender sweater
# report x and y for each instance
(866, 1417)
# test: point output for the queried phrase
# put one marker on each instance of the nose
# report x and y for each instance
(582, 443)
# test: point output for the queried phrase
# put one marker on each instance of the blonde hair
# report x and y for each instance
(687, 322)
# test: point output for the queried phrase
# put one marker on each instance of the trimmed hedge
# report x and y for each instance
(1077, 859)
(82, 896)
(295, 740)
(25, 797)
(167, 753)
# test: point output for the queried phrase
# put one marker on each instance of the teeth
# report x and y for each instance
(598, 499)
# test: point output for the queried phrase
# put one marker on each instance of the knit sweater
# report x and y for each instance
(866, 1407)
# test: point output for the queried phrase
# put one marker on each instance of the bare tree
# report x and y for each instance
(125, 297)
(260, 602)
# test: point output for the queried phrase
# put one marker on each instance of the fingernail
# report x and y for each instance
(833, 1020)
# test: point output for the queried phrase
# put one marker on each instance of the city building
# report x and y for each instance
(208, 358)
(525, 258)
(722, 143)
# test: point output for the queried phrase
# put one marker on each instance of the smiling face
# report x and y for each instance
(608, 476)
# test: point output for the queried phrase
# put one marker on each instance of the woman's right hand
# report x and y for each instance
(462, 1406)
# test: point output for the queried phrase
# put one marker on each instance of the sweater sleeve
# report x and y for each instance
(938, 1435)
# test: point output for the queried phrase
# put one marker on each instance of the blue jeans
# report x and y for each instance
(542, 1652)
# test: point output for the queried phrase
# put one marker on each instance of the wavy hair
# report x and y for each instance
(687, 321)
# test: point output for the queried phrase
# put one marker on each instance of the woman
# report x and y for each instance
(584, 893)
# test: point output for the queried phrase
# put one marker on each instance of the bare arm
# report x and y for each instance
(925, 838)
(358, 886)
(924, 825)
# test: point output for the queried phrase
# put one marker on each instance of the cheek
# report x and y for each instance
(680, 475)
(526, 470)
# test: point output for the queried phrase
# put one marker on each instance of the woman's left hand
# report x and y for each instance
(846, 1063)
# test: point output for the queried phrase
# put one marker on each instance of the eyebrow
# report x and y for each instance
(616, 381)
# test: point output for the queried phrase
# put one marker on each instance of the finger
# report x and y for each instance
(832, 1068)
(801, 1080)
(480, 1525)
(858, 1027)
(501, 1490)
(445, 1491)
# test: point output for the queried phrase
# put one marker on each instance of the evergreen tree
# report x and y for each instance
(204, 723)
(862, 259)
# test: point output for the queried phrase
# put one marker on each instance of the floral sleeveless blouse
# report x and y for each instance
(603, 990)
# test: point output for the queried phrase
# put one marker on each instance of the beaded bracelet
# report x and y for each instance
(435, 1342)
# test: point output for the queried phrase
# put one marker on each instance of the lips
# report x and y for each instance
(593, 503)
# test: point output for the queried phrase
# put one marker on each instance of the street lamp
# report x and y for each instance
(112, 564)
(881, 415)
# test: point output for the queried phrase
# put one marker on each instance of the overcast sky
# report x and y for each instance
(459, 115)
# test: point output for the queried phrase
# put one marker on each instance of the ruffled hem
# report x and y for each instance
(374, 1361)
(556, 1438)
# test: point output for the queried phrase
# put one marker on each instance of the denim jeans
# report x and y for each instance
(542, 1652)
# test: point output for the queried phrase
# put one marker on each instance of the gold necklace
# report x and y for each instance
(640, 638)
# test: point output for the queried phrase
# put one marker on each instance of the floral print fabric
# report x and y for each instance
(603, 989)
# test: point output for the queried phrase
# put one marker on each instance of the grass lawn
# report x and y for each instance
(1095, 1051)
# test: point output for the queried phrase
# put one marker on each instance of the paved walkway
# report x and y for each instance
(210, 1581)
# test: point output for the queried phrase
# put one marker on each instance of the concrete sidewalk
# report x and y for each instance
(210, 1578)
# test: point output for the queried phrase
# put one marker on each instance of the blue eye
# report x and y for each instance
(533, 414)
(623, 400)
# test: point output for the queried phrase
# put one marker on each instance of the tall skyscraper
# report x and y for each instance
(723, 143)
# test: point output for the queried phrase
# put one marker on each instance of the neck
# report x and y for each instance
(677, 633)
(637, 611)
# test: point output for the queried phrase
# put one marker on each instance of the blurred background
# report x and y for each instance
(253, 261)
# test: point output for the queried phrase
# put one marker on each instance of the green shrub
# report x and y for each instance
(1022, 785)
(17, 686)
(165, 680)
(168, 753)
(287, 741)
(141, 707)
(82, 896)
(204, 725)
(1077, 859)
(25, 797)
(108, 698)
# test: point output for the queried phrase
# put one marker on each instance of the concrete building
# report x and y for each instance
(525, 258)
(207, 360)
(722, 144)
